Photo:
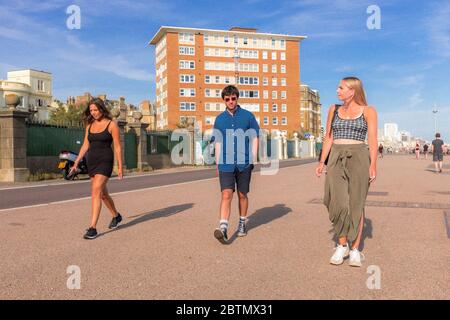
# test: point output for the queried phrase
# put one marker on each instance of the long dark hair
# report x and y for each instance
(88, 118)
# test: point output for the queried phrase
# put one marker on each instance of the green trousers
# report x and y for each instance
(346, 187)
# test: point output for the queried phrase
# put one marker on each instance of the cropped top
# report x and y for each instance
(353, 129)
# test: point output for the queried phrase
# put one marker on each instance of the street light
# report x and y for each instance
(435, 111)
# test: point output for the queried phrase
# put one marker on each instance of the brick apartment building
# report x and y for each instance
(310, 111)
(194, 65)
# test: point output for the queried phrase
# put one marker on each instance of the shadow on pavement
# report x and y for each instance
(160, 213)
(263, 216)
(366, 233)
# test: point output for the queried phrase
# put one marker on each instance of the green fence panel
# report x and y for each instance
(159, 143)
(47, 140)
(130, 150)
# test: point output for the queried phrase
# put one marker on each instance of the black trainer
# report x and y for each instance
(115, 221)
(242, 227)
(91, 233)
(221, 235)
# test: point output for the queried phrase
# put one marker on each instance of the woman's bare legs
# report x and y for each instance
(98, 183)
(108, 201)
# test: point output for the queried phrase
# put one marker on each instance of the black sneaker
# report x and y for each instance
(115, 221)
(91, 233)
(221, 235)
(242, 228)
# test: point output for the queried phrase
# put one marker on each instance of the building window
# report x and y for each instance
(40, 85)
(249, 94)
(187, 78)
(187, 64)
(283, 107)
(187, 92)
(226, 39)
(190, 51)
(265, 94)
(274, 95)
(283, 68)
(284, 121)
(248, 80)
(274, 107)
(273, 43)
(265, 55)
(185, 37)
(283, 94)
(274, 68)
(274, 55)
(283, 55)
(187, 106)
(266, 107)
(255, 42)
(283, 82)
(210, 120)
(266, 121)
(207, 93)
(207, 79)
(274, 81)
(265, 81)
(282, 43)
(275, 121)
(245, 41)
(265, 68)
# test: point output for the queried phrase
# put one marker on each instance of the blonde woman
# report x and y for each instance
(351, 167)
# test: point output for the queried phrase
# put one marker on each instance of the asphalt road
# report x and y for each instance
(35, 194)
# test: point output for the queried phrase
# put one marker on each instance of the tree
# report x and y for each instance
(73, 115)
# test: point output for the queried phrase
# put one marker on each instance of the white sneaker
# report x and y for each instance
(355, 258)
(340, 252)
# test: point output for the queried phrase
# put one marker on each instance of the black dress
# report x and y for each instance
(100, 158)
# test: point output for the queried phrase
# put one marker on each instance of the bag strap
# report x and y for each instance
(336, 108)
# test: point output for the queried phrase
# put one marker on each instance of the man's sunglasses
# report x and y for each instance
(232, 99)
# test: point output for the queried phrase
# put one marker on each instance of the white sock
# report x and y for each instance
(223, 224)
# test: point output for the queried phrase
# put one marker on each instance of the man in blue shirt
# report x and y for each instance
(236, 133)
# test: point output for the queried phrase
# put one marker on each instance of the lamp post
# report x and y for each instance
(435, 111)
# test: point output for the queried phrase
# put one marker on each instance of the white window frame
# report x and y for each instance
(275, 121)
(187, 51)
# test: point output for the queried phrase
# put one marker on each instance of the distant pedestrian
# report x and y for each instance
(417, 150)
(425, 150)
(101, 132)
(236, 152)
(351, 167)
(437, 147)
(380, 150)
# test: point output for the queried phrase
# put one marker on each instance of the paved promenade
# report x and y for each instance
(165, 248)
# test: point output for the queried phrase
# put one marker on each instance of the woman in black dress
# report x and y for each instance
(101, 132)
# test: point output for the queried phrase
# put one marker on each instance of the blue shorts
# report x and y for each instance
(229, 180)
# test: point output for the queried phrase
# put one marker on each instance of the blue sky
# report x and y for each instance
(405, 66)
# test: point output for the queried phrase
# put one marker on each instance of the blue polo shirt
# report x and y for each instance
(235, 132)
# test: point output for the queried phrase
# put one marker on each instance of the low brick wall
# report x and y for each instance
(160, 161)
(43, 164)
